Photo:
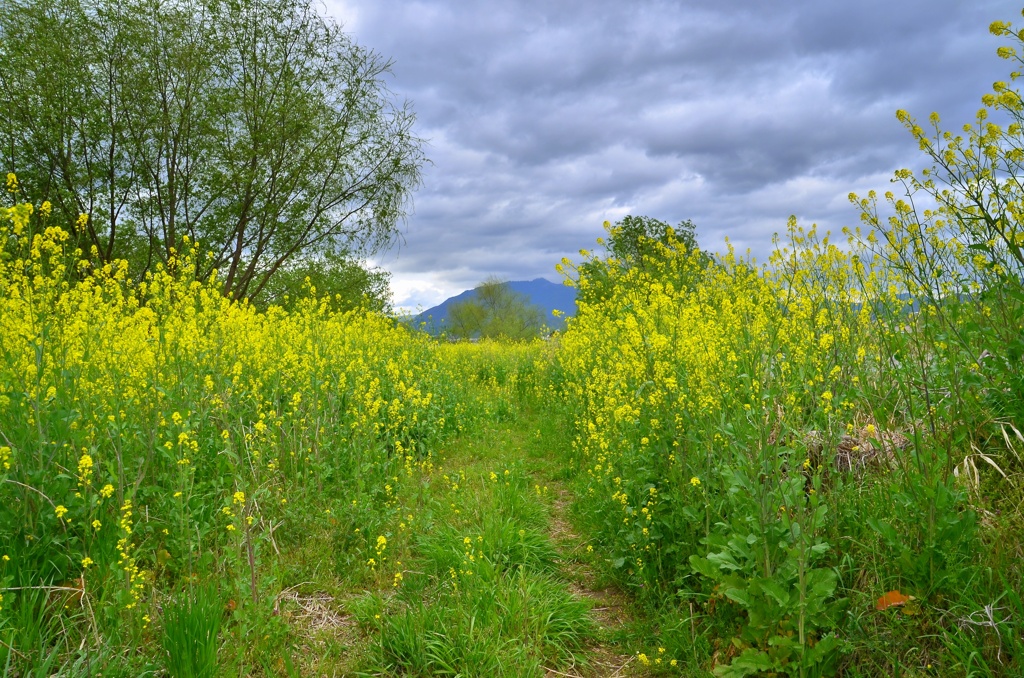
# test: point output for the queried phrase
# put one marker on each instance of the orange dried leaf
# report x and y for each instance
(891, 599)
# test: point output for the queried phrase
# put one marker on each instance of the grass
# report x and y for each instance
(191, 629)
(482, 590)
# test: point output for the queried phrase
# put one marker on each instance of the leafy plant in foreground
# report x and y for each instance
(764, 559)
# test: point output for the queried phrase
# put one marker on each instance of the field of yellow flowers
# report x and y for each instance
(777, 447)
(810, 466)
(161, 447)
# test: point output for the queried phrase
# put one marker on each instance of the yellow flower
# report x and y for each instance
(12, 182)
(87, 561)
(60, 511)
(85, 466)
(239, 498)
(695, 481)
(96, 524)
(107, 490)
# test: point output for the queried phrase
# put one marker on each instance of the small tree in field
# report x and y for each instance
(495, 311)
(635, 237)
(632, 242)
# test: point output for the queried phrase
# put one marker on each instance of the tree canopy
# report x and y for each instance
(634, 237)
(632, 242)
(345, 283)
(495, 311)
(255, 127)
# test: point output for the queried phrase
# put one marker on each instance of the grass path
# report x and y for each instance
(492, 580)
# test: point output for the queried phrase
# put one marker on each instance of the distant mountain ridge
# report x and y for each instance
(548, 296)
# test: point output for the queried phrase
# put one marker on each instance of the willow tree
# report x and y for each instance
(256, 127)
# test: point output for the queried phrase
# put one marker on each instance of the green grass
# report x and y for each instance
(191, 628)
(482, 592)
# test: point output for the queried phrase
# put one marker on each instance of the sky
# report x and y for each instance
(545, 118)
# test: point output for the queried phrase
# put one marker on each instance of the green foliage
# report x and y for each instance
(495, 311)
(483, 595)
(510, 626)
(33, 638)
(932, 551)
(633, 238)
(259, 129)
(338, 278)
(191, 627)
(633, 242)
(767, 567)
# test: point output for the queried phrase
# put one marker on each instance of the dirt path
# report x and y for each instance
(610, 606)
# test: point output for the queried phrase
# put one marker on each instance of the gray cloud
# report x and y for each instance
(546, 118)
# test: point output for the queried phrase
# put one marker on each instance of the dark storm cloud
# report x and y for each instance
(546, 118)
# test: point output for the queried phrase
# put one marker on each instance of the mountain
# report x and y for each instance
(543, 293)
